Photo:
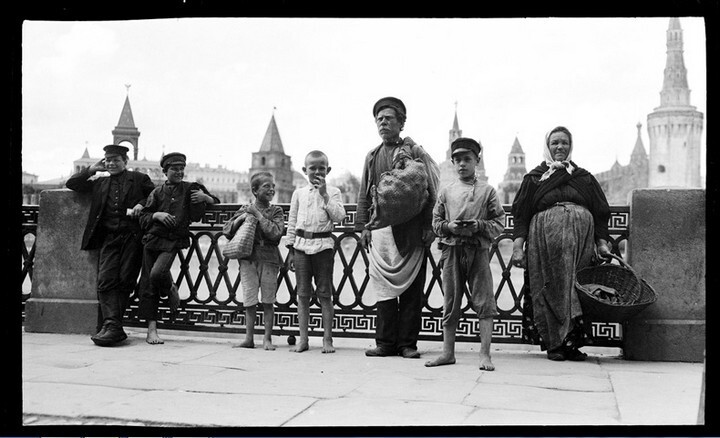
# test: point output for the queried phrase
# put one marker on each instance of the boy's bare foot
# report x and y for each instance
(247, 343)
(302, 346)
(153, 339)
(444, 359)
(485, 363)
(328, 346)
(268, 345)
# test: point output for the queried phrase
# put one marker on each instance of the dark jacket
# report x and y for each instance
(135, 191)
(409, 234)
(528, 199)
(173, 199)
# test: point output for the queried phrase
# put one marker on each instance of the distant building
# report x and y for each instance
(29, 178)
(675, 127)
(516, 170)
(272, 158)
(221, 182)
(447, 170)
(618, 182)
(125, 131)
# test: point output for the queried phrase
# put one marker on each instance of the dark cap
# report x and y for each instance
(389, 102)
(116, 149)
(171, 159)
(464, 144)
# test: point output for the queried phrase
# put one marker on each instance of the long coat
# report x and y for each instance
(136, 189)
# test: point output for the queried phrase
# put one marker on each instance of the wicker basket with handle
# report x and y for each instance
(633, 293)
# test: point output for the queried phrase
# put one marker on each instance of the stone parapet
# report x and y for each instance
(63, 296)
(666, 247)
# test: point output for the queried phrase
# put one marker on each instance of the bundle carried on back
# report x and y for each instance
(401, 193)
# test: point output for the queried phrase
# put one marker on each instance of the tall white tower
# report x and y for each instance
(675, 127)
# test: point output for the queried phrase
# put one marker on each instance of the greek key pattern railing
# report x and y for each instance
(211, 293)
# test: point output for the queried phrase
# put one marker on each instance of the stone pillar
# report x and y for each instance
(666, 247)
(64, 296)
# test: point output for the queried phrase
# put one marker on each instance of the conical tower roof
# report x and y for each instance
(639, 149)
(516, 148)
(271, 142)
(126, 117)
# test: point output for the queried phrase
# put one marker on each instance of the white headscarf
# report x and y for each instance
(553, 164)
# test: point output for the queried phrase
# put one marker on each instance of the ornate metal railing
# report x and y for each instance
(210, 289)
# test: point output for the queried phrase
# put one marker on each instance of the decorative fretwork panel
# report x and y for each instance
(211, 292)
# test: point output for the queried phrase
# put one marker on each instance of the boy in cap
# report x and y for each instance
(113, 229)
(166, 219)
(467, 217)
(313, 211)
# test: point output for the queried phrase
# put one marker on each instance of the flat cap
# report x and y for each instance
(116, 149)
(389, 102)
(171, 159)
(465, 144)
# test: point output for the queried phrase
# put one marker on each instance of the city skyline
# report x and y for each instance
(598, 76)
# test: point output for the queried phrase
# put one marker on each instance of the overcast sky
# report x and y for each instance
(207, 86)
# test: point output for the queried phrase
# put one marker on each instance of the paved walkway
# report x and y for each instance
(200, 381)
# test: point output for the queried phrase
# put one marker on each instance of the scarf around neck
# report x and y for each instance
(554, 165)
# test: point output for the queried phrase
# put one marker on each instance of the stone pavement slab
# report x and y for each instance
(195, 380)
(362, 411)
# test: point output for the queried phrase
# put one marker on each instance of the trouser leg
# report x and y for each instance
(410, 312)
(386, 326)
(118, 265)
(156, 279)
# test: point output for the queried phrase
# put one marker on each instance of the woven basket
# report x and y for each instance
(399, 196)
(241, 245)
(633, 292)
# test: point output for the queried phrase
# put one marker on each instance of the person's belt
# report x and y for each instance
(311, 235)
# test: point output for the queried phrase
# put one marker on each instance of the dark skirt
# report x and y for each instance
(560, 241)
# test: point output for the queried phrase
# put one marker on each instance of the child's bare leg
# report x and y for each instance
(486, 327)
(448, 355)
(152, 334)
(328, 315)
(303, 317)
(249, 341)
(269, 317)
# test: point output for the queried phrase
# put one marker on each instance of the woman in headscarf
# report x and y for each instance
(561, 217)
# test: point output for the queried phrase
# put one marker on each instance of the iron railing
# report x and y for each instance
(210, 290)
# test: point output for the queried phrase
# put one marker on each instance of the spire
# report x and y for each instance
(126, 117)
(516, 148)
(454, 133)
(456, 125)
(638, 152)
(85, 154)
(272, 142)
(675, 91)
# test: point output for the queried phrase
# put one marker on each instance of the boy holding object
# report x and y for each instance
(467, 217)
(313, 211)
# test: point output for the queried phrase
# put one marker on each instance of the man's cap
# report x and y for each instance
(171, 159)
(389, 102)
(116, 149)
(464, 144)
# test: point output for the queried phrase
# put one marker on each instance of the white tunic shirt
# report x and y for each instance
(309, 212)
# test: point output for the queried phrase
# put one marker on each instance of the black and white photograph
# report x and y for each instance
(361, 224)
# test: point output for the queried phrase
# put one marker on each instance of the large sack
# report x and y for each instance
(401, 193)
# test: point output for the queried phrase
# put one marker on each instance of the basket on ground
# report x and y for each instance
(633, 293)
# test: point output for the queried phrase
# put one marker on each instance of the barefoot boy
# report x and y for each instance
(467, 217)
(259, 272)
(166, 219)
(313, 211)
